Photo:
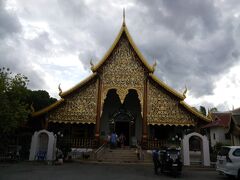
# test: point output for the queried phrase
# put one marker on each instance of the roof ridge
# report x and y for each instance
(197, 113)
(166, 87)
(81, 83)
(123, 29)
(48, 108)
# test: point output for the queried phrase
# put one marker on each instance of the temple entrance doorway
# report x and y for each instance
(123, 128)
(124, 124)
(133, 106)
(123, 117)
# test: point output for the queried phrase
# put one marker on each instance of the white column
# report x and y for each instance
(34, 144)
(51, 149)
(185, 149)
(206, 155)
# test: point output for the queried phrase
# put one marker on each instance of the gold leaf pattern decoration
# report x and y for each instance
(165, 109)
(123, 71)
(78, 107)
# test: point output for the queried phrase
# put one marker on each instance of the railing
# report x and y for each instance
(98, 153)
(92, 143)
(152, 143)
(79, 142)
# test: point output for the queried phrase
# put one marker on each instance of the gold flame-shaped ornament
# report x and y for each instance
(92, 65)
(60, 90)
(32, 108)
(185, 92)
(154, 65)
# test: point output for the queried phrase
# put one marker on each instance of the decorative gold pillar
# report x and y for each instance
(144, 125)
(97, 125)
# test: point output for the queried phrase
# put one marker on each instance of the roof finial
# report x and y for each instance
(154, 65)
(123, 16)
(185, 91)
(60, 90)
(91, 63)
(32, 107)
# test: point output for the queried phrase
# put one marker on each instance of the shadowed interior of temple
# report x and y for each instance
(123, 118)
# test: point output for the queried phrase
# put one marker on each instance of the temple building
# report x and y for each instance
(123, 95)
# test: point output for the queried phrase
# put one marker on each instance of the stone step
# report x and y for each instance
(109, 157)
(119, 155)
(124, 156)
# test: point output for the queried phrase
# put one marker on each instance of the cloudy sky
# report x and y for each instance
(195, 42)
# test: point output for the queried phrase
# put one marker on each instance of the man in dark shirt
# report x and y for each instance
(156, 161)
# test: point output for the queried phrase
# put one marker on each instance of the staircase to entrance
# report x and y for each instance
(123, 155)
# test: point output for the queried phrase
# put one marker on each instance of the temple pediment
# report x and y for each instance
(123, 68)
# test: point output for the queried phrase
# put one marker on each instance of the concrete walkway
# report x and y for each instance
(91, 171)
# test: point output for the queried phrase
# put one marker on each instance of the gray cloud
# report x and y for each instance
(17, 61)
(42, 43)
(9, 23)
(194, 42)
(194, 45)
(12, 53)
(186, 18)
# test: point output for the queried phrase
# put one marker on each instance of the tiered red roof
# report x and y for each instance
(220, 119)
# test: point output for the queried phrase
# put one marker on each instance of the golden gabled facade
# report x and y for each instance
(122, 69)
(79, 107)
(165, 108)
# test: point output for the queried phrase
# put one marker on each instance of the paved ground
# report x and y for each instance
(72, 171)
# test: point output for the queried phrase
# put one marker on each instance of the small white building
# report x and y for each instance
(43, 146)
(219, 128)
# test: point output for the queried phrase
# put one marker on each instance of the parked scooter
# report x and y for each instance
(170, 160)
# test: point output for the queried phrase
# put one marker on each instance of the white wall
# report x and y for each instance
(236, 140)
(219, 136)
(205, 149)
(35, 145)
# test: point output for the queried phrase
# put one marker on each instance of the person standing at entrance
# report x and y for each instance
(122, 140)
(156, 161)
(108, 140)
(113, 140)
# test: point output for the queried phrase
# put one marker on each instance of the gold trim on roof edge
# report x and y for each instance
(83, 82)
(72, 122)
(165, 86)
(198, 114)
(139, 54)
(48, 108)
(167, 124)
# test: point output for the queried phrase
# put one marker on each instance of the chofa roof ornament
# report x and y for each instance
(60, 90)
(185, 91)
(32, 108)
(154, 65)
(92, 65)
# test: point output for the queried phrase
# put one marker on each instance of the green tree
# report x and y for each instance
(214, 109)
(13, 108)
(39, 99)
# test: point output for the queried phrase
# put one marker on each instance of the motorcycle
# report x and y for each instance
(170, 160)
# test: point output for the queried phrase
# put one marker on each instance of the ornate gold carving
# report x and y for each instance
(60, 90)
(185, 91)
(122, 94)
(154, 65)
(32, 108)
(80, 107)
(92, 65)
(123, 71)
(164, 109)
